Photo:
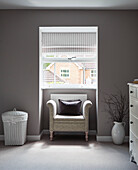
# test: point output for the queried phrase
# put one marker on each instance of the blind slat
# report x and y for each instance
(68, 42)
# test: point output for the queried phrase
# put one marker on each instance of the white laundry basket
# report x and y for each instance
(15, 127)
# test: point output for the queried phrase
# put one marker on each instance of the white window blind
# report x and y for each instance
(69, 40)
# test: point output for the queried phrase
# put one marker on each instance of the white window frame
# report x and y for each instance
(43, 60)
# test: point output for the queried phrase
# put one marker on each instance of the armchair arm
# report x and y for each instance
(52, 112)
(86, 105)
(52, 107)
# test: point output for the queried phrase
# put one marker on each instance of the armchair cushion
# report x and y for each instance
(69, 107)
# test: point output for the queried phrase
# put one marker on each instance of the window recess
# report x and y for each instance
(72, 48)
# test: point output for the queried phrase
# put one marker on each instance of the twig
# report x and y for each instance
(116, 106)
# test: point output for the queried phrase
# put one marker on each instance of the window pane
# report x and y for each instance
(69, 73)
(66, 72)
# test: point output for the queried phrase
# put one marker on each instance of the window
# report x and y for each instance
(93, 73)
(68, 57)
(64, 73)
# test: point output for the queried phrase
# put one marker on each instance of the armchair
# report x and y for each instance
(66, 123)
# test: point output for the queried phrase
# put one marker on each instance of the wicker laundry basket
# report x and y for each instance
(15, 127)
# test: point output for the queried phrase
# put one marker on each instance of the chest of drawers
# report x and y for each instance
(133, 122)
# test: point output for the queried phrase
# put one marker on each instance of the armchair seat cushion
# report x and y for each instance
(69, 118)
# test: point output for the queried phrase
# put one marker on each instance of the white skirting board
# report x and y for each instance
(109, 138)
(29, 137)
(44, 132)
(34, 137)
(91, 132)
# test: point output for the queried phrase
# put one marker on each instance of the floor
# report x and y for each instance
(66, 152)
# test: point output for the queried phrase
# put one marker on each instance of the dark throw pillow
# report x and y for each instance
(69, 107)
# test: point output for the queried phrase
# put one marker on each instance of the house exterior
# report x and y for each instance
(71, 73)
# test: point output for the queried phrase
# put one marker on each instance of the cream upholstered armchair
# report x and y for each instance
(68, 123)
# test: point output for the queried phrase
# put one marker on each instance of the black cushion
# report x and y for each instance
(69, 107)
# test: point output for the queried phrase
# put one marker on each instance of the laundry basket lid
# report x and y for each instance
(16, 115)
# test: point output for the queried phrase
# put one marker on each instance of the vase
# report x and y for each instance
(118, 133)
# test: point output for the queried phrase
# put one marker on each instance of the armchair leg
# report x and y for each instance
(51, 135)
(86, 136)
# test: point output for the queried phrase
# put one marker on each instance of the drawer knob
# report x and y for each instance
(131, 122)
(131, 141)
(131, 91)
(131, 105)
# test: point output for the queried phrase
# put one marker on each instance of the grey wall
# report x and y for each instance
(91, 95)
(19, 87)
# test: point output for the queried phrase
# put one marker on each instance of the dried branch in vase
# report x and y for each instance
(117, 106)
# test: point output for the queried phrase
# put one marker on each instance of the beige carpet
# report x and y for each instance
(68, 152)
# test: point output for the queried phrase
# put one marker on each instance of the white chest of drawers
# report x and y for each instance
(133, 122)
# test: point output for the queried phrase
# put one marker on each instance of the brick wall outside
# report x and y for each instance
(76, 74)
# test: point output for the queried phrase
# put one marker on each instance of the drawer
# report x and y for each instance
(133, 91)
(134, 107)
(134, 125)
(134, 146)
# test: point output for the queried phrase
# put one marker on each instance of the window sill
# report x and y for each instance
(70, 87)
